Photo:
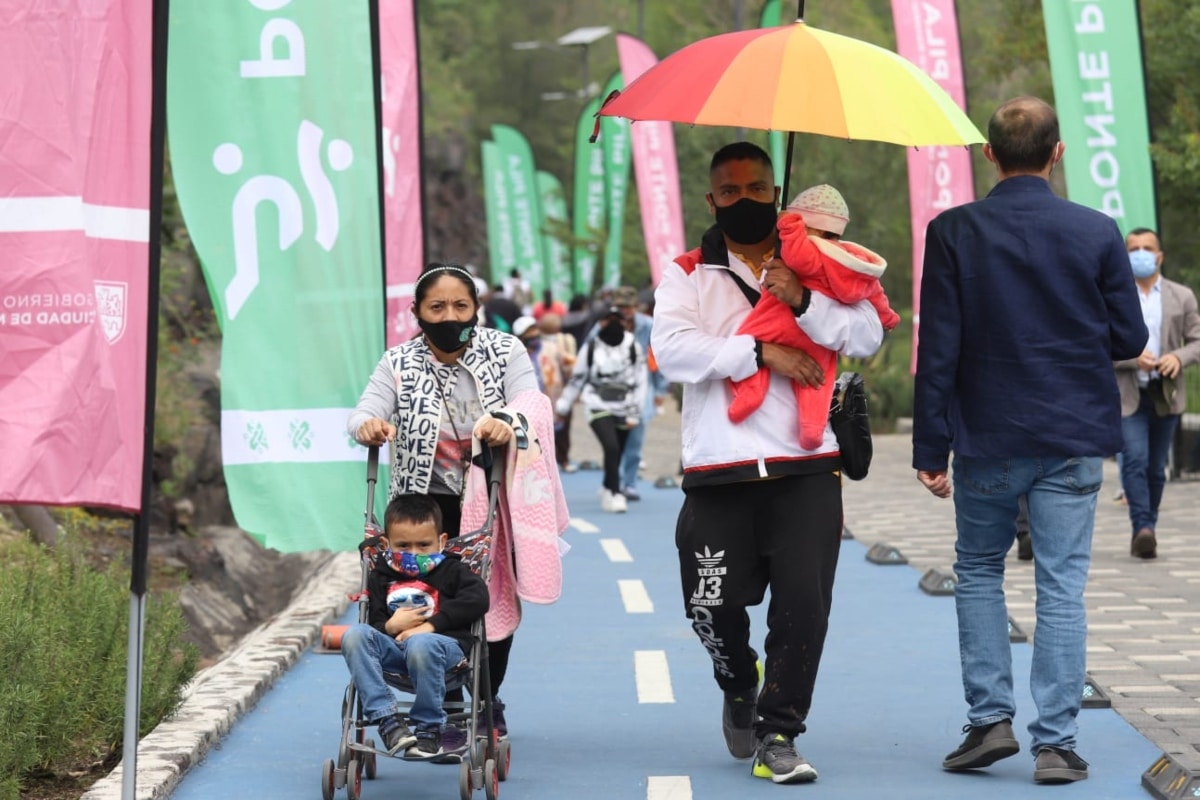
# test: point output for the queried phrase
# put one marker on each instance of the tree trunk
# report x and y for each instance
(41, 525)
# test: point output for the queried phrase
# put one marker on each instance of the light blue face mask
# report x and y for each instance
(1143, 262)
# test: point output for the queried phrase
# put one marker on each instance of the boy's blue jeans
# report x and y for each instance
(425, 658)
(1062, 511)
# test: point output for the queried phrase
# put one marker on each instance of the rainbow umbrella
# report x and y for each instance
(798, 79)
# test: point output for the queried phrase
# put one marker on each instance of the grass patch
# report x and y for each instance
(63, 633)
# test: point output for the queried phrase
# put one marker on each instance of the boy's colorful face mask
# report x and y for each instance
(414, 565)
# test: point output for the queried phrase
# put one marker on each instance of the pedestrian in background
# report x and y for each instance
(1153, 394)
(1027, 300)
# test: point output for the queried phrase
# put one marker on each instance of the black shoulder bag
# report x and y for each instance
(848, 417)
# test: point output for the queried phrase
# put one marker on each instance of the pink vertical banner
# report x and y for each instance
(938, 177)
(402, 214)
(654, 167)
(75, 86)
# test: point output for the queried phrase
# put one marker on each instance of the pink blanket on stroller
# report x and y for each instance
(531, 516)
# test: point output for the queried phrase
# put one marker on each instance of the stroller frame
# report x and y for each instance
(485, 758)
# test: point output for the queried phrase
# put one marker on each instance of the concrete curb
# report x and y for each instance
(221, 694)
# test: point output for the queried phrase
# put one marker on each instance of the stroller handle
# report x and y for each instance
(372, 479)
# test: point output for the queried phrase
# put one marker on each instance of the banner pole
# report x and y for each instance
(141, 526)
(377, 90)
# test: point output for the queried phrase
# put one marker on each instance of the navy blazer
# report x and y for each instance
(1026, 300)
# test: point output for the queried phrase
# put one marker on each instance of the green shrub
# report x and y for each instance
(63, 634)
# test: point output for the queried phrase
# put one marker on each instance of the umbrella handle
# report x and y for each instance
(596, 130)
(800, 11)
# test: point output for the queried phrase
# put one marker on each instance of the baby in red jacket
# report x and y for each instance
(810, 244)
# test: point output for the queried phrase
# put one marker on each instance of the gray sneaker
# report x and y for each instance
(1055, 765)
(984, 746)
(776, 758)
(737, 722)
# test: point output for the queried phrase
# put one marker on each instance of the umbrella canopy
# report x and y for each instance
(799, 79)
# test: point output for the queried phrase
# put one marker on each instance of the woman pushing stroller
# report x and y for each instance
(431, 397)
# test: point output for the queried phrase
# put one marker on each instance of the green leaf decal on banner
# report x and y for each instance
(614, 136)
(272, 141)
(558, 256)
(1100, 96)
(516, 160)
(590, 201)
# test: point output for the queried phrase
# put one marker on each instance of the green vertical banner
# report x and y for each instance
(591, 206)
(614, 136)
(516, 157)
(502, 253)
(772, 18)
(1100, 95)
(272, 139)
(558, 255)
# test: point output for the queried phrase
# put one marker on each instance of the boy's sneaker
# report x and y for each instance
(631, 493)
(428, 745)
(776, 758)
(395, 734)
(1055, 765)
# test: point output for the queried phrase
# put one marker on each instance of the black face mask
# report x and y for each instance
(612, 333)
(747, 221)
(449, 336)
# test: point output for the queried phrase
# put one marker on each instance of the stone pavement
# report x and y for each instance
(1143, 616)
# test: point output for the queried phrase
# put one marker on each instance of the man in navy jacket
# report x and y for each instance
(1026, 300)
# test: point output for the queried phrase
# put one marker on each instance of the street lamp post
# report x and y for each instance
(582, 38)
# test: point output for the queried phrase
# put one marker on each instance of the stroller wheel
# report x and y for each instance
(464, 780)
(327, 780)
(369, 765)
(503, 759)
(354, 779)
(491, 782)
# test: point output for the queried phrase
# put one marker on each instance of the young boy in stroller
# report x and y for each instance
(422, 603)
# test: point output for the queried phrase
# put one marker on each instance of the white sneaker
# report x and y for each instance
(617, 504)
(606, 499)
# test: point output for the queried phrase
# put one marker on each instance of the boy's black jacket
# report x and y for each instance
(458, 595)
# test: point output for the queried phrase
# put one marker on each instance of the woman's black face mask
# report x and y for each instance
(450, 335)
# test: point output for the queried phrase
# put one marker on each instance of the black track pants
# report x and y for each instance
(736, 540)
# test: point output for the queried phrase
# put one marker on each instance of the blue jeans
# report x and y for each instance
(632, 455)
(1062, 509)
(424, 658)
(1144, 461)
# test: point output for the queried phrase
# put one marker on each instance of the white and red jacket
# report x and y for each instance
(698, 307)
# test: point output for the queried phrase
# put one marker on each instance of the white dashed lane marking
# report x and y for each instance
(653, 676)
(615, 550)
(583, 526)
(635, 598)
(669, 787)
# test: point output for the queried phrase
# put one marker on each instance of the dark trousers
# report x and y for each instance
(737, 540)
(497, 651)
(562, 441)
(612, 440)
(1148, 440)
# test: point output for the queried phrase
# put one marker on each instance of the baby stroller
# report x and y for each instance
(485, 758)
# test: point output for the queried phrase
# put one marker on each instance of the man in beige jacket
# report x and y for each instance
(1152, 389)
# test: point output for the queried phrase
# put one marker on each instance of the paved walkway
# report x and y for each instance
(1142, 647)
(1143, 616)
